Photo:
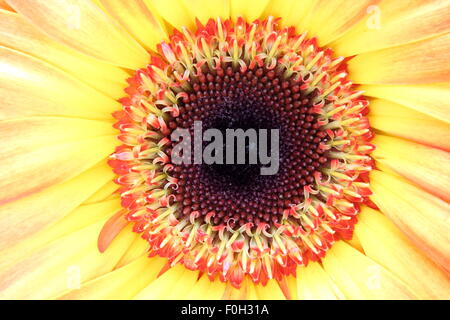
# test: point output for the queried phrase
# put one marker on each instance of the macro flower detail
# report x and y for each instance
(227, 223)
(347, 199)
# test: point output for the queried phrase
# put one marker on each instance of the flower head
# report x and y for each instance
(352, 97)
(225, 220)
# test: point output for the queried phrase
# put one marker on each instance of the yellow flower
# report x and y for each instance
(93, 207)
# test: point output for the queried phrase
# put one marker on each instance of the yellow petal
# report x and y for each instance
(424, 166)
(423, 218)
(183, 286)
(136, 250)
(355, 243)
(393, 23)
(247, 291)
(232, 293)
(292, 13)
(385, 244)
(85, 27)
(200, 289)
(138, 20)
(80, 218)
(250, 10)
(329, 19)
(292, 285)
(359, 277)
(252, 295)
(21, 171)
(123, 283)
(103, 193)
(165, 285)
(19, 34)
(313, 283)
(216, 290)
(271, 291)
(20, 219)
(64, 264)
(29, 86)
(416, 63)
(16, 136)
(433, 99)
(173, 11)
(206, 9)
(400, 121)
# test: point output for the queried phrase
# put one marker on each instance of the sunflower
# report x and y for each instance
(93, 205)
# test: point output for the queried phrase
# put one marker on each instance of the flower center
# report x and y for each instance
(226, 219)
(237, 194)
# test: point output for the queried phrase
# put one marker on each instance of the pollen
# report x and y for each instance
(227, 220)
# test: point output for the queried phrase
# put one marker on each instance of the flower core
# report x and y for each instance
(226, 220)
(237, 194)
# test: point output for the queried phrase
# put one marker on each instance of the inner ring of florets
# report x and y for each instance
(224, 220)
